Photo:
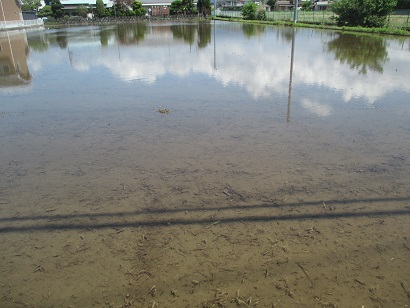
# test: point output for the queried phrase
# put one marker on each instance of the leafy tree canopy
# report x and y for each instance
(364, 13)
(30, 5)
(45, 11)
(249, 11)
(175, 7)
(57, 8)
(82, 11)
(403, 4)
(306, 6)
(138, 9)
(260, 13)
(100, 9)
(123, 6)
(271, 3)
(182, 6)
(203, 6)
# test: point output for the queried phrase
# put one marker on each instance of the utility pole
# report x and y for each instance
(115, 11)
(295, 12)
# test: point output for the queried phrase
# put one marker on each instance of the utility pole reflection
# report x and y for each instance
(291, 74)
(214, 46)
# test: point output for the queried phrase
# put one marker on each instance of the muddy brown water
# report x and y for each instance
(204, 165)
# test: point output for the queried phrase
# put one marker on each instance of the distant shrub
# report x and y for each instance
(364, 13)
(249, 11)
(260, 13)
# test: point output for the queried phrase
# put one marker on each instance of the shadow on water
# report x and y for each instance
(167, 222)
(362, 53)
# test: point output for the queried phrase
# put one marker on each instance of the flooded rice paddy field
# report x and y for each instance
(204, 165)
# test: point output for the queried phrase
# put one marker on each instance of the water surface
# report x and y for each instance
(279, 176)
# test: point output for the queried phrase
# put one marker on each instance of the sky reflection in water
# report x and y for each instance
(328, 67)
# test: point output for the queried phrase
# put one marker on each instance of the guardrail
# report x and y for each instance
(20, 24)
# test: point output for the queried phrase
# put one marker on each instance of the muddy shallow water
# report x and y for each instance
(276, 175)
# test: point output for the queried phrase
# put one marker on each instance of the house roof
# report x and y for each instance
(284, 3)
(86, 2)
(322, 3)
(155, 2)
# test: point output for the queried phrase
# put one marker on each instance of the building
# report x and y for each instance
(322, 5)
(12, 17)
(156, 7)
(284, 5)
(72, 5)
(10, 13)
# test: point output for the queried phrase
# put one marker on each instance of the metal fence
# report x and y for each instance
(399, 19)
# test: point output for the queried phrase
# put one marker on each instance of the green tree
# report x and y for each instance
(57, 8)
(175, 7)
(364, 13)
(100, 9)
(204, 6)
(182, 6)
(82, 11)
(123, 7)
(403, 4)
(306, 6)
(138, 9)
(260, 13)
(45, 11)
(272, 3)
(188, 6)
(249, 11)
(30, 5)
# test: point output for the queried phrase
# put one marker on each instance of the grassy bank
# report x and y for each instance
(390, 31)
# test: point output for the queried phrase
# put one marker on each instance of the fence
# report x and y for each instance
(21, 24)
(399, 19)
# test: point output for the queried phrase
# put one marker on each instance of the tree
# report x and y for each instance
(45, 11)
(138, 9)
(82, 11)
(364, 13)
(260, 13)
(175, 7)
(123, 7)
(306, 6)
(403, 4)
(57, 8)
(100, 9)
(188, 6)
(204, 6)
(182, 6)
(272, 3)
(30, 5)
(249, 11)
